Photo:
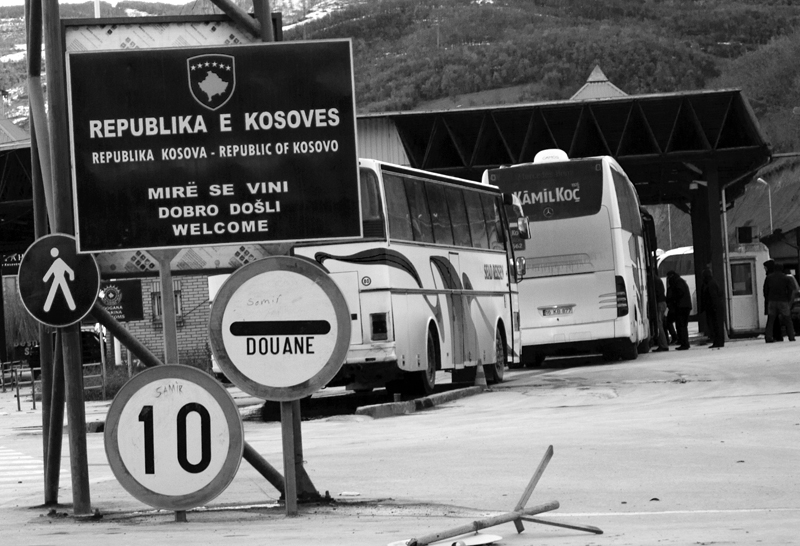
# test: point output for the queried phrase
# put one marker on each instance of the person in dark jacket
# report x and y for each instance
(680, 298)
(711, 303)
(778, 293)
(661, 301)
(777, 334)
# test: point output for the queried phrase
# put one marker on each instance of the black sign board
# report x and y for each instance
(122, 299)
(175, 148)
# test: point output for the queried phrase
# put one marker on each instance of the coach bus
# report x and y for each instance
(585, 287)
(431, 285)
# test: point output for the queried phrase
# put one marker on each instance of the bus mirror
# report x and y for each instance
(524, 228)
(520, 268)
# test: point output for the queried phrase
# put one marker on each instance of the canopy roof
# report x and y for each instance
(663, 141)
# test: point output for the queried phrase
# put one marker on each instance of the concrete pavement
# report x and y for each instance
(692, 447)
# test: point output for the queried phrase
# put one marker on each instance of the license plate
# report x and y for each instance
(557, 311)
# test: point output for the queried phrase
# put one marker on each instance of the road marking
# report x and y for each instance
(676, 512)
(16, 467)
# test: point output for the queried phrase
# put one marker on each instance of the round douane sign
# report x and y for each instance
(280, 328)
(174, 437)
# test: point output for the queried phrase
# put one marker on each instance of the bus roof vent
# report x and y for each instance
(550, 156)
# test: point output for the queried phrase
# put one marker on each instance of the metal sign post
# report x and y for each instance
(58, 287)
(280, 330)
(168, 320)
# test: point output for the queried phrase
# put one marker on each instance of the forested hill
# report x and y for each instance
(410, 52)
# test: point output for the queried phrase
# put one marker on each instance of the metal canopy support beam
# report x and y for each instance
(717, 238)
(701, 235)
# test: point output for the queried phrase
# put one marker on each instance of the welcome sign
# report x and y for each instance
(175, 148)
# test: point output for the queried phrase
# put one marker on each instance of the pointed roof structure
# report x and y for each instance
(597, 86)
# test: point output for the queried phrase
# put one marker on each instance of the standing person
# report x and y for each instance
(778, 293)
(711, 303)
(669, 324)
(680, 298)
(794, 297)
(661, 301)
(777, 334)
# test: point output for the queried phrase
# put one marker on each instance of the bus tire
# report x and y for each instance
(497, 372)
(643, 347)
(422, 383)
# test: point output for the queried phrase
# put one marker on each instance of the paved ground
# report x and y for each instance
(695, 447)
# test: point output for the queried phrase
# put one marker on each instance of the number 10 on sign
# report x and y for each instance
(174, 437)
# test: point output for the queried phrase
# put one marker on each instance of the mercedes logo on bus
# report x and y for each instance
(548, 212)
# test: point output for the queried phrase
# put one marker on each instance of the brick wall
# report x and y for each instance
(192, 323)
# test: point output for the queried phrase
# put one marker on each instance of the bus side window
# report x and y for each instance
(494, 227)
(442, 229)
(371, 209)
(397, 205)
(477, 223)
(629, 217)
(458, 215)
(418, 206)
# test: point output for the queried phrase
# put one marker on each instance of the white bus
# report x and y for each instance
(585, 288)
(432, 285)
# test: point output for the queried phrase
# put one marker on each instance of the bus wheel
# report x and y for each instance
(643, 347)
(498, 371)
(422, 383)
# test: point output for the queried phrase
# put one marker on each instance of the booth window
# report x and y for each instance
(156, 299)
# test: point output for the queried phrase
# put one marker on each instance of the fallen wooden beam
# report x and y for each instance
(526, 495)
(477, 525)
(587, 528)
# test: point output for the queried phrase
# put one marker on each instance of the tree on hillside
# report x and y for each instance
(770, 79)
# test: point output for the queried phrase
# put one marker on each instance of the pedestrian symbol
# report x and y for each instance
(58, 271)
(57, 285)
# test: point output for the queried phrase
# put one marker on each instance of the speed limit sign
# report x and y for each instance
(174, 437)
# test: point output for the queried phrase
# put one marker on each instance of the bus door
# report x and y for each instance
(458, 309)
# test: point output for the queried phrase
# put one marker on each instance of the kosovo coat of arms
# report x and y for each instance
(212, 79)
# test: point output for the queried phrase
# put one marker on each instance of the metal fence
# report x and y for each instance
(16, 375)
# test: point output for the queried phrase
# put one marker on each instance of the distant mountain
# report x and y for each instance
(413, 54)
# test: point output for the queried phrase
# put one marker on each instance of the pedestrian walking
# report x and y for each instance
(779, 293)
(710, 302)
(680, 298)
(661, 301)
(777, 334)
(669, 324)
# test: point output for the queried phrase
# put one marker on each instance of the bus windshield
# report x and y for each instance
(555, 191)
(571, 232)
